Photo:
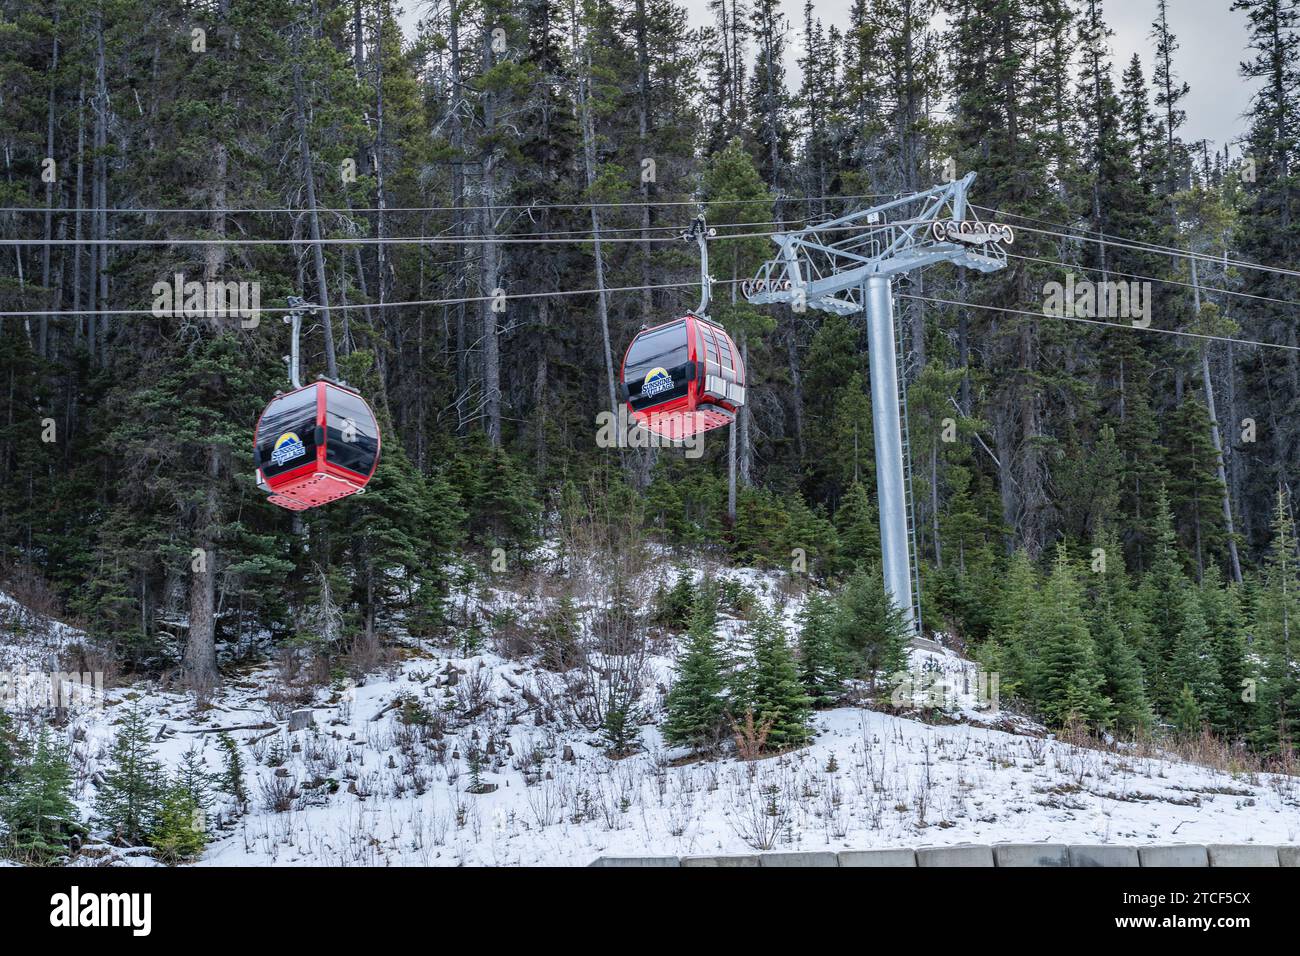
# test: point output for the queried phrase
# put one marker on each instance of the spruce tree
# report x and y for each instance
(770, 685)
(1221, 609)
(1122, 682)
(38, 815)
(1066, 679)
(858, 533)
(1010, 650)
(231, 779)
(1186, 713)
(11, 751)
(1277, 611)
(1192, 664)
(696, 704)
(674, 607)
(1170, 608)
(870, 628)
(196, 782)
(820, 663)
(1119, 630)
(179, 832)
(127, 802)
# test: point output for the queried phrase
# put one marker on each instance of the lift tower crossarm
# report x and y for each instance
(844, 266)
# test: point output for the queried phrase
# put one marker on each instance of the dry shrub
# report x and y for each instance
(511, 637)
(89, 657)
(26, 586)
(750, 739)
(298, 675)
(368, 655)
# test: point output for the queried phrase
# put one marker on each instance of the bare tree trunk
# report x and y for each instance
(101, 179)
(796, 383)
(200, 660)
(383, 265)
(934, 505)
(313, 214)
(540, 383)
(43, 336)
(731, 471)
(77, 234)
(1216, 439)
(643, 136)
(489, 262)
(457, 136)
(589, 162)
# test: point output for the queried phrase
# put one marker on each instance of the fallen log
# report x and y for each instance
(222, 730)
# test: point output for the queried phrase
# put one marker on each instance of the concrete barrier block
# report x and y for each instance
(961, 855)
(1104, 855)
(720, 861)
(1242, 854)
(1031, 854)
(636, 861)
(1189, 855)
(904, 857)
(1288, 856)
(797, 858)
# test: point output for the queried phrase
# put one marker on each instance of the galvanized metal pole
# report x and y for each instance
(879, 302)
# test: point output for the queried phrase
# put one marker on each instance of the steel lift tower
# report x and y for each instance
(845, 266)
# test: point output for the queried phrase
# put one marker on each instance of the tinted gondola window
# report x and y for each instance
(352, 438)
(655, 367)
(286, 438)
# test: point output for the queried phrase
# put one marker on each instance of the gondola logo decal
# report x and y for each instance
(656, 381)
(287, 447)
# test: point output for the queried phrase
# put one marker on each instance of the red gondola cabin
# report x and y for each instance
(315, 445)
(683, 377)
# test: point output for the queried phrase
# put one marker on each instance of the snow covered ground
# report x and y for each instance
(370, 783)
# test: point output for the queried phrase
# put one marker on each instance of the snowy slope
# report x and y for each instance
(364, 787)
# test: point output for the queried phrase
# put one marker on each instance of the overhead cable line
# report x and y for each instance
(1133, 275)
(467, 300)
(502, 207)
(1110, 325)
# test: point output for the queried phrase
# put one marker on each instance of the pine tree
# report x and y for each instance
(1066, 679)
(1186, 712)
(1269, 196)
(11, 751)
(820, 664)
(38, 816)
(1277, 611)
(1170, 607)
(675, 607)
(770, 686)
(179, 831)
(858, 534)
(127, 802)
(231, 779)
(1221, 609)
(696, 705)
(1119, 630)
(870, 628)
(1011, 650)
(196, 782)
(1192, 664)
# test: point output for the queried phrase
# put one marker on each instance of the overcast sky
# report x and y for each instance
(1212, 43)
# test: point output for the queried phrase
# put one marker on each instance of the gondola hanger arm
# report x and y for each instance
(701, 234)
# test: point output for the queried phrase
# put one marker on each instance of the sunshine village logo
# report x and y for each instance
(74, 909)
(287, 447)
(657, 380)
